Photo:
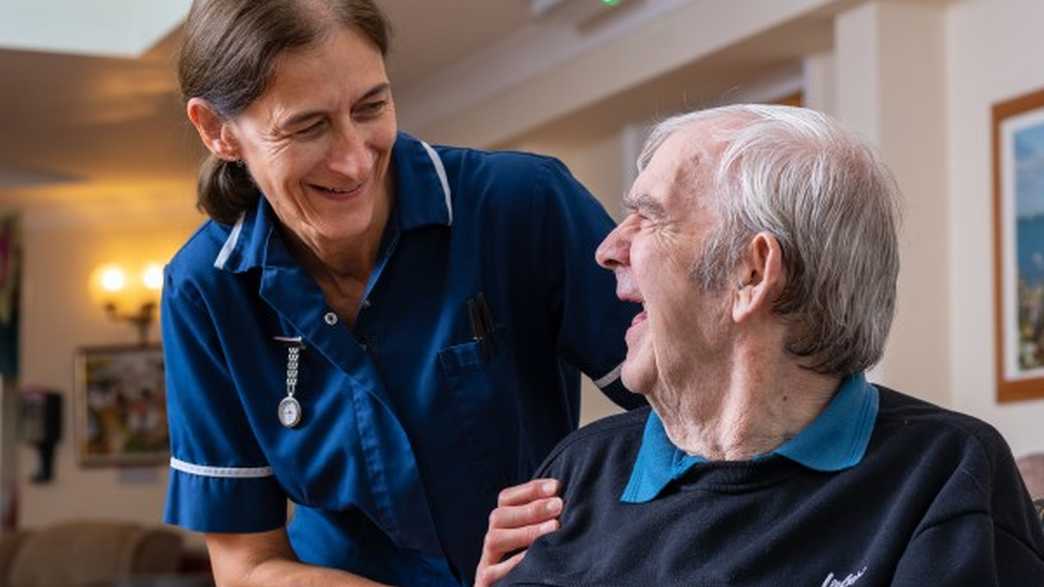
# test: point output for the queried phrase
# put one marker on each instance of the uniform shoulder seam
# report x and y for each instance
(548, 159)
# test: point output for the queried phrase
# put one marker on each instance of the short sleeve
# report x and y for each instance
(219, 479)
(591, 320)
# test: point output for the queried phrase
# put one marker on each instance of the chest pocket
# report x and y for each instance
(480, 382)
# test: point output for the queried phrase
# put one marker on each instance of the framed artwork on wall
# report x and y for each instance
(1018, 228)
(121, 407)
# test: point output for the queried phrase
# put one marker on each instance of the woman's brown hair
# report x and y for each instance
(228, 59)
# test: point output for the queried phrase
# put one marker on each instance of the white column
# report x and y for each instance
(891, 88)
(820, 82)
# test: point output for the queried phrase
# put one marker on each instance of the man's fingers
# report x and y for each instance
(529, 514)
(501, 541)
(492, 573)
(527, 492)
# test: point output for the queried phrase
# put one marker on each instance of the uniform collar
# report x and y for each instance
(834, 441)
(422, 198)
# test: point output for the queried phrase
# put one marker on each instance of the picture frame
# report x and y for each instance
(121, 407)
(1018, 249)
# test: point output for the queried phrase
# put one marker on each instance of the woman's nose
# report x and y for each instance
(348, 153)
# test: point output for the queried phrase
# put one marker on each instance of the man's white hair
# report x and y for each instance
(832, 205)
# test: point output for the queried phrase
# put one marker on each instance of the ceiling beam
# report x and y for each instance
(547, 71)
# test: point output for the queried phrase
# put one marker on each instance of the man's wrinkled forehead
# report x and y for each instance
(680, 165)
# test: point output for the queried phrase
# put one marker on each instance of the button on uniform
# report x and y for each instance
(330, 318)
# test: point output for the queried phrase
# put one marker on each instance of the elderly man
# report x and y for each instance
(761, 242)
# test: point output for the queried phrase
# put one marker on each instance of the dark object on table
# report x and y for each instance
(42, 428)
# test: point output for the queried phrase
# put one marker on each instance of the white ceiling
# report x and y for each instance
(429, 35)
(88, 27)
(76, 120)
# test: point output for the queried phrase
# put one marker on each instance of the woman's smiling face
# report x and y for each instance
(318, 142)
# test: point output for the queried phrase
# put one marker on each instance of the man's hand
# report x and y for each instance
(524, 513)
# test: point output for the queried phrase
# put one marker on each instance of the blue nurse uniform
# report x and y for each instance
(409, 425)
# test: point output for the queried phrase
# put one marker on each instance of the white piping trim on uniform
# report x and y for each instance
(609, 377)
(224, 472)
(230, 243)
(440, 169)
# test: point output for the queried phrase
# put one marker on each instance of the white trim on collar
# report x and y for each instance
(609, 378)
(230, 243)
(440, 169)
(223, 472)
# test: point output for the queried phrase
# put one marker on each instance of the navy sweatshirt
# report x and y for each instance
(936, 500)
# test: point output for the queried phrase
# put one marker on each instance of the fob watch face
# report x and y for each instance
(289, 412)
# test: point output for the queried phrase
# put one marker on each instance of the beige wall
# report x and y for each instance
(993, 49)
(63, 245)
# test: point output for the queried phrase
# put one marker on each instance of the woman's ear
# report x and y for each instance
(213, 130)
(761, 280)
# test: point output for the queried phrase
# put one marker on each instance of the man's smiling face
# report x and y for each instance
(653, 253)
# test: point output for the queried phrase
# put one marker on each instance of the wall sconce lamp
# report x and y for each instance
(129, 297)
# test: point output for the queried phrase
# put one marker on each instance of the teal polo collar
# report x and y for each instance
(423, 197)
(834, 441)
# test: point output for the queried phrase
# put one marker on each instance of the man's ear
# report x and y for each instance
(213, 130)
(761, 278)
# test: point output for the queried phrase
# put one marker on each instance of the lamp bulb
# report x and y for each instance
(113, 279)
(152, 277)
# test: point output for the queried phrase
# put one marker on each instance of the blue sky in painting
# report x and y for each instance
(1029, 165)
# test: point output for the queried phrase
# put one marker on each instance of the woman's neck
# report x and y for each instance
(342, 266)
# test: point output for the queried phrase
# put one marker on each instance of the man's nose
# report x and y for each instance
(615, 249)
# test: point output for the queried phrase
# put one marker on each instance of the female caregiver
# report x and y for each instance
(383, 332)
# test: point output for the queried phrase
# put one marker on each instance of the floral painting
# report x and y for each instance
(121, 406)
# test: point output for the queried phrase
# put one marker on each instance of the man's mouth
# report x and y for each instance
(640, 317)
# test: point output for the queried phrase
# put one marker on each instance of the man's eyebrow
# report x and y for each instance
(644, 203)
(302, 117)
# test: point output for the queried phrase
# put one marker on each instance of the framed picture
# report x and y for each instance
(1018, 216)
(121, 406)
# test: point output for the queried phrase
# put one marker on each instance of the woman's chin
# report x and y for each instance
(344, 229)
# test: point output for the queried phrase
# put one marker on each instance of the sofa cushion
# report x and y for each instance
(91, 552)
